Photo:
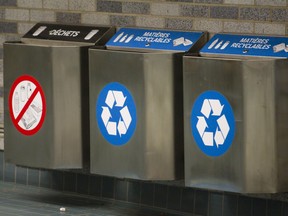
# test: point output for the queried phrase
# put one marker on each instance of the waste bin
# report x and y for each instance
(136, 123)
(46, 95)
(235, 114)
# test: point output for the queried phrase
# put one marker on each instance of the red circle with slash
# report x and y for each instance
(27, 105)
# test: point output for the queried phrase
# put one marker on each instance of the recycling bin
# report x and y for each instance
(235, 114)
(46, 95)
(136, 103)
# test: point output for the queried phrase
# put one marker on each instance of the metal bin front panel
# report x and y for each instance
(58, 70)
(154, 80)
(47, 95)
(255, 95)
(281, 126)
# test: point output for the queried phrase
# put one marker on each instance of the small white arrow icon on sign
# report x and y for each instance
(110, 100)
(119, 97)
(105, 115)
(206, 108)
(208, 138)
(216, 107)
(111, 128)
(201, 125)
(126, 116)
(223, 125)
(219, 140)
(121, 127)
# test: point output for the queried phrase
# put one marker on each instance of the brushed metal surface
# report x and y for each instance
(256, 90)
(62, 71)
(155, 151)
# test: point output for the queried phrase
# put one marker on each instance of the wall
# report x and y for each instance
(238, 16)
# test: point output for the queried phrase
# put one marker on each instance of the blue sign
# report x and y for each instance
(213, 123)
(116, 114)
(154, 39)
(246, 45)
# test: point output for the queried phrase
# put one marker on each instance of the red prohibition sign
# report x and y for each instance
(27, 105)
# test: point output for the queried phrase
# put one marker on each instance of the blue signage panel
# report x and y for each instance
(116, 114)
(246, 45)
(154, 39)
(213, 124)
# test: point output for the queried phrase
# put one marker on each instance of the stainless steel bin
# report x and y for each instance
(46, 95)
(144, 68)
(251, 76)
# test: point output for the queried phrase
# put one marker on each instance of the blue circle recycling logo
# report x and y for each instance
(116, 114)
(213, 123)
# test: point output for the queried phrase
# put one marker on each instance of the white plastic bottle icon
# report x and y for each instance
(279, 47)
(23, 93)
(39, 30)
(218, 45)
(124, 38)
(29, 90)
(178, 41)
(213, 44)
(91, 34)
(118, 37)
(129, 38)
(16, 102)
(187, 42)
(225, 45)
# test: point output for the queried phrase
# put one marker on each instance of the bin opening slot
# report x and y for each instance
(246, 46)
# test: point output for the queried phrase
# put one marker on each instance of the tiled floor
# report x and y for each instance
(23, 200)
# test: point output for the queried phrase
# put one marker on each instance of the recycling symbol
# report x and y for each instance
(116, 98)
(212, 107)
(213, 123)
(116, 113)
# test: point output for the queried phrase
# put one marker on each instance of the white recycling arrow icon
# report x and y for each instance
(105, 115)
(115, 96)
(117, 99)
(201, 125)
(212, 107)
(111, 128)
(216, 107)
(126, 116)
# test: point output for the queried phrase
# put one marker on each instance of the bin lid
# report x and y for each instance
(89, 35)
(148, 39)
(224, 45)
